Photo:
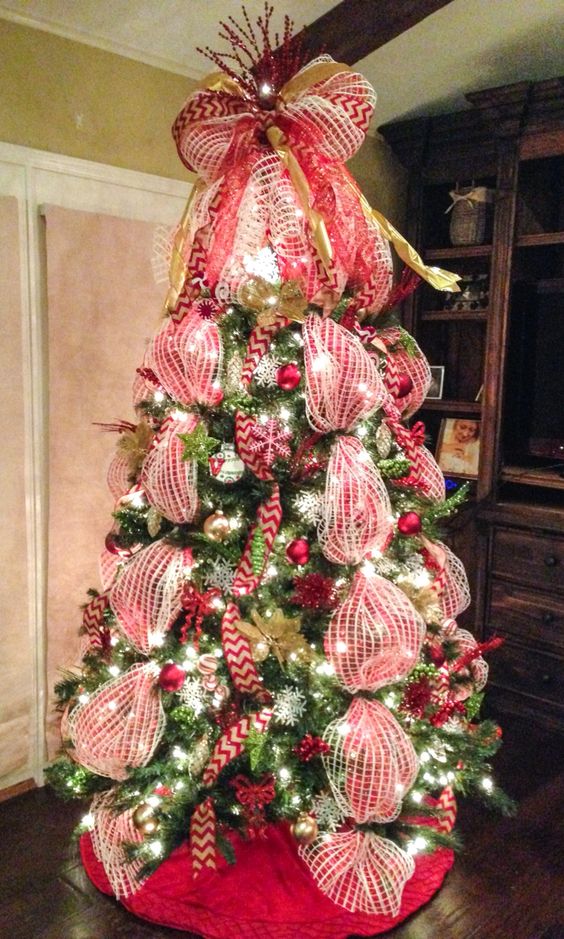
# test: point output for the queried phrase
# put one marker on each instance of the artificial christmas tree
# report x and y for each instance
(275, 700)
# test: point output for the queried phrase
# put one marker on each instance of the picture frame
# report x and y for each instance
(458, 446)
(435, 391)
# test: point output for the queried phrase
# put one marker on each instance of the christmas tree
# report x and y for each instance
(275, 698)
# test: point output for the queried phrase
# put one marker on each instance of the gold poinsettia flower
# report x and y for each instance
(270, 303)
(134, 444)
(278, 634)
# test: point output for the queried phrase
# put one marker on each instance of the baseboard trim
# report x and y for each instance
(10, 792)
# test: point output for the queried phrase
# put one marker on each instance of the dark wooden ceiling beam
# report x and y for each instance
(353, 29)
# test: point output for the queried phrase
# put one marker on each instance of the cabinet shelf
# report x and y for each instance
(464, 251)
(531, 476)
(540, 239)
(451, 407)
(446, 316)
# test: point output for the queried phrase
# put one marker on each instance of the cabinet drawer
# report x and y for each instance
(537, 560)
(529, 616)
(529, 672)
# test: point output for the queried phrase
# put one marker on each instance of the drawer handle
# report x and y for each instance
(551, 560)
(548, 619)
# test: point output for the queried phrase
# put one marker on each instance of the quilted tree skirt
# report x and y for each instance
(268, 894)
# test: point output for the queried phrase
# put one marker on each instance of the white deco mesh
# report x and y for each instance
(372, 762)
(108, 567)
(146, 598)
(455, 597)
(109, 833)
(343, 384)
(186, 358)
(375, 637)
(360, 871)
(478, 668)
(121, 725)
(431, 475)
(118, 475)
(356, 511)
(328, 120)
(170, 482)
(414, 364)
(163, 238)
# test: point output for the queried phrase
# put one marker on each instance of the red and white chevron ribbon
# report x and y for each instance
(269, 517)
(244, 427)
(238, 654)
(438, 554)
(232, 743)
(93, 618)
(258, 345)
(202, 838)
(446, 804)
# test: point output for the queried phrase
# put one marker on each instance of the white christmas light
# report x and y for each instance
(153, 801)
(416, 796)
(284, 774)
(158, 396)
(87, 820)
(114, 670)
(487, 783)
(156, 848)
(83, 698)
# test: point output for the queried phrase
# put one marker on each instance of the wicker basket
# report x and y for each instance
(469, 214)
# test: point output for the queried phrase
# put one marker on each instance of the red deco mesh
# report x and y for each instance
(146, 598)
(186, 358)
(360, 871)
(170, 482)
(455, 597)
(356, 511)
(109, 833)
(372, 762)
(431, 477)
(121, 725)
(375, 637)
(118, 476)
(413, 364)
(343, 384)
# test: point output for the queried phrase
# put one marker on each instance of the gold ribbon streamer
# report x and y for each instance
(436, 276)
(177, 269)
(311, 76)
(315, 220)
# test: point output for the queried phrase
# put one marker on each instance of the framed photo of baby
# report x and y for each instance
(458, 446)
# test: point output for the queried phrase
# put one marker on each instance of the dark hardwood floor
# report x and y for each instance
(507, 884)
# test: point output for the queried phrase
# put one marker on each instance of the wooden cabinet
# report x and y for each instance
(503, 357)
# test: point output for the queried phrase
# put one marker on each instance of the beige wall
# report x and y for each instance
(70, 98)
(124, 111)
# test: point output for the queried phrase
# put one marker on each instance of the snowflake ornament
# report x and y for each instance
(192, 695)
(265, 372)
(289, 706)
(309, 506)
(328, 814)
(221, 575)
(207, 308)
(270, 440)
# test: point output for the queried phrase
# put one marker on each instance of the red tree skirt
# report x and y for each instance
(268, 894)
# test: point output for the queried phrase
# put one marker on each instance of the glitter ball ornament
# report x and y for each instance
(288, 377)
(310, 747)
(305, 829)
(409, 523)
(144, 819)
(226, 465)
(405, 385)
(216, 526)
(297, 551)
(315, 592)
(171, 677)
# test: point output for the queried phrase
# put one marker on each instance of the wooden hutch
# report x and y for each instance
(511, 533)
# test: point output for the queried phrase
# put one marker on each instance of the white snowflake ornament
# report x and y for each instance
(221, 575)
(192, 695)
(289, 706)
(265, 372)
(328, 814)
(309, 506)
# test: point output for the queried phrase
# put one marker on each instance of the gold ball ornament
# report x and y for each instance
(305, 829)
(144, 819)
(216, 526)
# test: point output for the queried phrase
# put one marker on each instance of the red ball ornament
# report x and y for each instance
(297, 551)
(288, 377)
(409, 524)
(171, 677)
(405, 385)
